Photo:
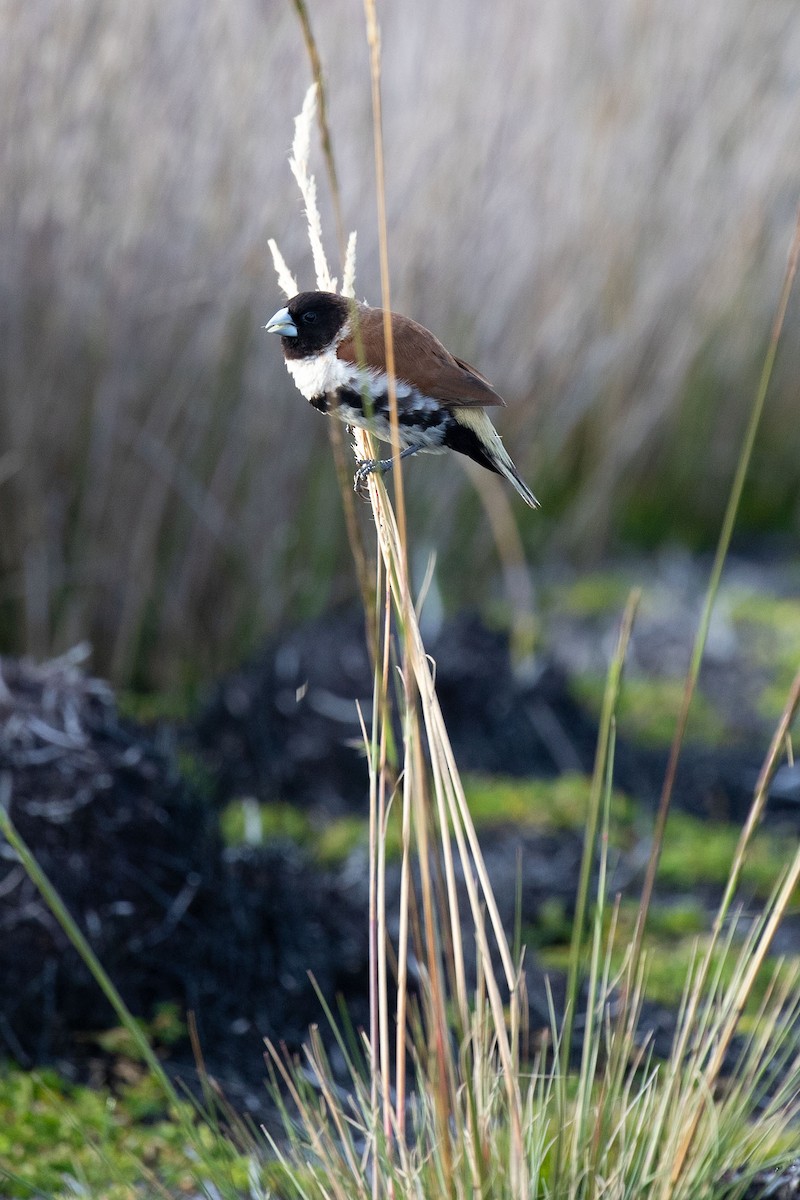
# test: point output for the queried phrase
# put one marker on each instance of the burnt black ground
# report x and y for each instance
(284, 727)
(134, 849)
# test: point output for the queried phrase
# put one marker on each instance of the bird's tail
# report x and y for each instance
(493, 453)
(506, 467)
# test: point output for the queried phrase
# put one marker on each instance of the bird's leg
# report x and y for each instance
(383, 465)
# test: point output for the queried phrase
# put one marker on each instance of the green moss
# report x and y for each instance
(60, 1140)
(648, 709)
(774, 616)
(668, 925)
(247, 822)
(553, 926)
(166, 1028)
(559, 803)
(772, 701)
(673, 941)
(593, 595)
(677, 918)
(698, 852)
(771, 627)
(336, 841)
(147, 707)
(197, 773)
(667, 973)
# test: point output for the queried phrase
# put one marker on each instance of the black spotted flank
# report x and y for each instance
(422, 416)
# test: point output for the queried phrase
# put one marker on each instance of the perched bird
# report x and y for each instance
(335, 352)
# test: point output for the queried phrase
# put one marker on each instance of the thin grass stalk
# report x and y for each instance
(696, 1027)
(463, 827)
(768, 768)
(457, 806)
(353, 1053)
(444, 1083)
(374, 45)
(446, 903)
(373, 41)
(687, 1027)
(419, 793)
(754, 963)
(405, 612)
(720, 556)
(598, 969)
(776, 749)
(504, 1044)
(626, 1073)
(316, 1058)
(685, 1093)
(749, 1077)
(389, 535)
(470, 1056)
(604, 740)
(402, 964)
(384, 1016)
(626, 1068)
(372, 745)
(511, 556)
(373, 963)
(447, 816)
(313, 1128)
(76, 937)
(439, 789)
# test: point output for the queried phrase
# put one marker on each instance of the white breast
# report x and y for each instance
(324, 374)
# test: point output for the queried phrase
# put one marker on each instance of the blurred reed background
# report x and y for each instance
(592, 204)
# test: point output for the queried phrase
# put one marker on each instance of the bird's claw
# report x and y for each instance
(362, 474)
(382, 465)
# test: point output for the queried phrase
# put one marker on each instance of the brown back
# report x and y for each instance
(420, 359)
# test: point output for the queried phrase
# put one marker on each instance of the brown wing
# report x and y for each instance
(420, 359)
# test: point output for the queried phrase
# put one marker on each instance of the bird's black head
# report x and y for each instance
(310, 323)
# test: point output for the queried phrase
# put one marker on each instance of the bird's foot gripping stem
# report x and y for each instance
(383, 465)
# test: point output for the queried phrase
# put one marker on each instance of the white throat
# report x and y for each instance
(319, 375)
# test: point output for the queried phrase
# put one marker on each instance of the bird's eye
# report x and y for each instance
(310, 317)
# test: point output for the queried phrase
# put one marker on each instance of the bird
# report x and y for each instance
(335, 351)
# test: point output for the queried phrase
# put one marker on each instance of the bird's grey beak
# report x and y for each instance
(281, 323)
